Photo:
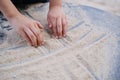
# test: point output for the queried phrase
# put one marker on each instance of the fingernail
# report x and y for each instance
(50, 26)
(42, 43)
(56, 37)
(64, 35)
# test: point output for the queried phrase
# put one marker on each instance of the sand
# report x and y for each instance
(82, 55)
(112, 6)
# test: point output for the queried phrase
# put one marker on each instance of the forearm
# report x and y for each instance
(55, 3)
(8, 9)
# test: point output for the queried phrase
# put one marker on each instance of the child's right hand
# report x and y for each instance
(28, 29)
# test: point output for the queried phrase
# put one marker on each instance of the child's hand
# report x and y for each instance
(28, 29)
(57, 21)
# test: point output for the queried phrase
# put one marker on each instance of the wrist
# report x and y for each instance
(55, 6)
(55, 3)
(11, 15)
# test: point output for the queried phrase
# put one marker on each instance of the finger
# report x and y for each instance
(31, 35)
(35, 29)
(24, 35)
(49, 23)
(64, 26)
(39, 36)
(54, 27)
(40, 25)
(41, 41)
(59, 27)
(55, 31)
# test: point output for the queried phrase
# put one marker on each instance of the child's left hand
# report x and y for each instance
(57, 21)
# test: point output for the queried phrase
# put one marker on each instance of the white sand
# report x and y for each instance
(112, 6)
(82, 55)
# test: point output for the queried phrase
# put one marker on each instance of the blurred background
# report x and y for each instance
(112, 6)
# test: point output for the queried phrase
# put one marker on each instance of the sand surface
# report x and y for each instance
(82, 55)
(112, 6)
